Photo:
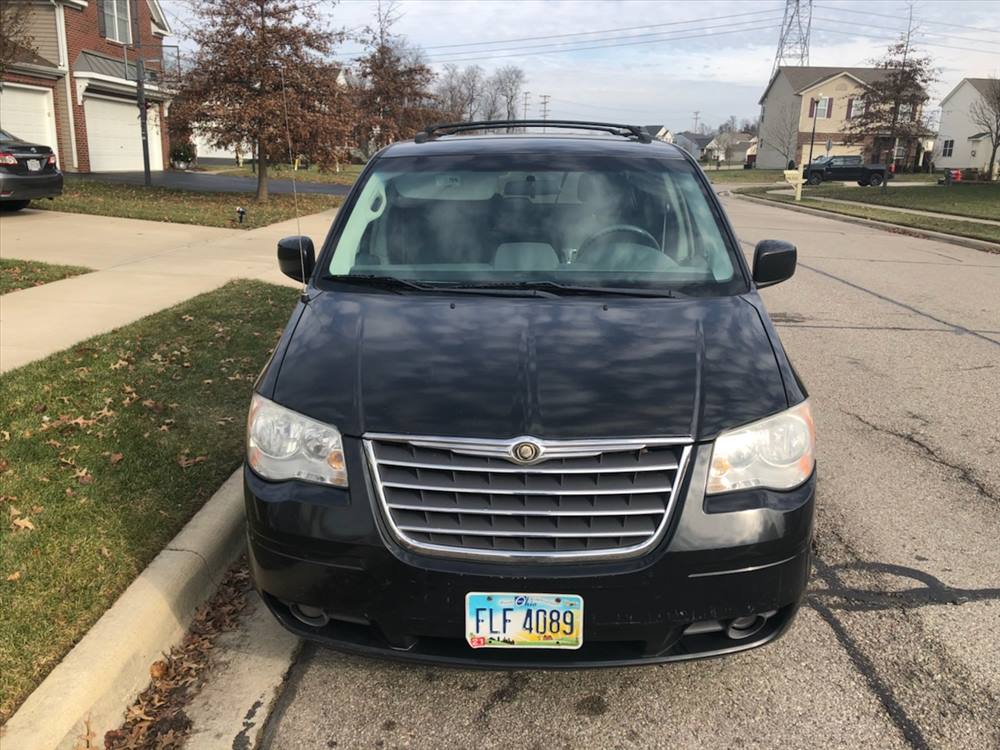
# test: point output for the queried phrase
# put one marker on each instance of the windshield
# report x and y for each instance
(6, 137)
(522, 220)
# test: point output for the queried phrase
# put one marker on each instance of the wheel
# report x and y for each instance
(815, 178)
(862, 183)
(875, 180)
(13, 205)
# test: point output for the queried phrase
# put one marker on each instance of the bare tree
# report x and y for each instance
(509, 82)
(781, 132)
(472, 85)
(985, 115)
(16, 42)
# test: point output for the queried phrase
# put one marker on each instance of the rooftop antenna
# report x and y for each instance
(793, 44)
(295, 194)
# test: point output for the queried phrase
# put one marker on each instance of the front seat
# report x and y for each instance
(525, 256)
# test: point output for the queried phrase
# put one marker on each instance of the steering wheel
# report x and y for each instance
(630, 228)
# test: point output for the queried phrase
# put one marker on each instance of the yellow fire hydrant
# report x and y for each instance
(794, 178)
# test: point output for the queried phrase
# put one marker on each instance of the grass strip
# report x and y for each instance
(24, 274)
(978, 201)
(106, 450)
(957, 227)
(347, 175)
(182, 206)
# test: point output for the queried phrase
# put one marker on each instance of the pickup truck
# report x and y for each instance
(845, 168)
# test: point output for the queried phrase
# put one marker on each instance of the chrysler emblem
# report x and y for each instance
(525, 452)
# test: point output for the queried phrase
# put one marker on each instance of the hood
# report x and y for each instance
(499, 367)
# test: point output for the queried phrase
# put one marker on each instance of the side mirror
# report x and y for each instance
(773, 262)
(296, 257)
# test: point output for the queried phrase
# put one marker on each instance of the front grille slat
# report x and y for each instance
(580, 499)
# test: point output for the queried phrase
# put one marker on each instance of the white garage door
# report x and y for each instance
(28, 113)
(114, 140)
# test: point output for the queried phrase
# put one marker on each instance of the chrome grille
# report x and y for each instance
(577, 499)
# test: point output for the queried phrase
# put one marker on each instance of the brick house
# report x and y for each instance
(77, 91)
(833, 96)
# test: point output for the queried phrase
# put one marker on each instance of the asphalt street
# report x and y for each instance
(898, 340)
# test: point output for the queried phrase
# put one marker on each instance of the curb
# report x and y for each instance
(952, 239)
(90, 689)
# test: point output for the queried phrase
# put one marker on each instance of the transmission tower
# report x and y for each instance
(793, 44)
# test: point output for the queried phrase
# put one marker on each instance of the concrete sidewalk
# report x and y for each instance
(140, 267)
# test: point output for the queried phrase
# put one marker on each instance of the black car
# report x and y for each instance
(846, 168)
(530, 411)
(28, 171)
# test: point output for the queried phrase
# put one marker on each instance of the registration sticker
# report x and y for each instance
(504, 620)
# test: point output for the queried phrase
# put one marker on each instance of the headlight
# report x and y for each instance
(777, 453)
(283, 444)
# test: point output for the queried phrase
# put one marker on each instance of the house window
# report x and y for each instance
(948, 148)
(116, 21)
(821, 107)
(855, 108)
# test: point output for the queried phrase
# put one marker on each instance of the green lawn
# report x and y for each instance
(182, 206)
(22, 274)
(980, 201)
(346, 176)
(106, 450)
(744, 176)
(987, 232)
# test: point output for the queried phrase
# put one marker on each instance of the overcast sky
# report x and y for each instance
(656, 61)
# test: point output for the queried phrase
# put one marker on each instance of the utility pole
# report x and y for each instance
(545, 108)
(526, 94)
(696, 113)
(140, 90)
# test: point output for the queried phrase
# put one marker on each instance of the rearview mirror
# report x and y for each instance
(296, 257)
(773, 262)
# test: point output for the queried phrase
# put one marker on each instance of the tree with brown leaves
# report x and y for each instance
(261, 77)
(985, 115)
(16, 43)
(891, 107)
(392, 88)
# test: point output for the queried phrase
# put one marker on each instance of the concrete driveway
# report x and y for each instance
(205, 182)
(140, 267)
(898, 340)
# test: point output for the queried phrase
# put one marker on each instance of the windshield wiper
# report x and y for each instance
(398, 285)
(560, 288)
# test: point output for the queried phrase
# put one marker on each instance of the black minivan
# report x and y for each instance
(530, 411)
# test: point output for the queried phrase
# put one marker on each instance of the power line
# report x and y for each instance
(896, 17)
(925, 44)
(489, 56)
(930, 33)
(447, 56)
(695, 21)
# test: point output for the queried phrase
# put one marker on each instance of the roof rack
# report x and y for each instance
(625, 131)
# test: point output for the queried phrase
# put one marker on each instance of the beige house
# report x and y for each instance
(833, 96)
(961, 144)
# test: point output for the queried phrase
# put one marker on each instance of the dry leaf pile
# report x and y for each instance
(157, 720)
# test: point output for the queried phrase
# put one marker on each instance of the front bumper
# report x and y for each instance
(23, 187)
(735, 556)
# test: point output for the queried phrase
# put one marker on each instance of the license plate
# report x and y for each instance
(34, 165)
(502, 620)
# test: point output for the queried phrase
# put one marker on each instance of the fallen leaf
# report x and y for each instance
(187, 317)
(116, 458)
(119, 364)
(185, 462)
(158, 669)
(24, 524)
(105, 551)
(4, 435)
(15, 576)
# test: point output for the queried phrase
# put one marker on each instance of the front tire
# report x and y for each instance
(815, 178)
(875, 180)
